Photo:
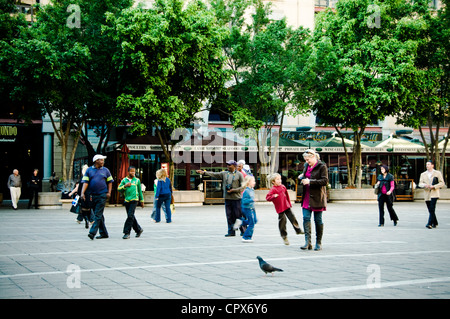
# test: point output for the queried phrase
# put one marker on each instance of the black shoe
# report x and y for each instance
(230, 235)
(102, 237)
(381, 225)
(91, 236)
(429, 226)
(138, 234)
(126, 236)
(395, 222)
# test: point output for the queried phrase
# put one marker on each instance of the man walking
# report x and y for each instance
(14, 185)
(97, 185)
(431, 180)
(231, 182)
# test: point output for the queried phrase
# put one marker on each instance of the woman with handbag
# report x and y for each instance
(82, 208)
(386, 186)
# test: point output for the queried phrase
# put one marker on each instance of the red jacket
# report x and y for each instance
(282, 202)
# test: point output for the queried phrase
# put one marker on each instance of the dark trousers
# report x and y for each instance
(34, 194)
(131, 221)
(98, 205)
(431, 205)
(282, 220)
(388, 199)
(233, 211)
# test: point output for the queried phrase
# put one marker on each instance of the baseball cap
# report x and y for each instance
(231, 162)
(97, 157)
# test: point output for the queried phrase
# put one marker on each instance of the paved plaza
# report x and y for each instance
(46, 254)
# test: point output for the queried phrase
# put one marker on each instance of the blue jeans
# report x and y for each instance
(166, 199)
(250, 222)
(307, 216)
(98, 205)
(163, 206)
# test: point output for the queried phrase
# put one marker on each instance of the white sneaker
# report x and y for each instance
(237, 224)
(247, 240)
(286, 241)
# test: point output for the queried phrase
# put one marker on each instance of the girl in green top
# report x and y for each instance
(130, 187)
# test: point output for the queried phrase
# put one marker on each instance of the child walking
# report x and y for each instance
(130, 186)
(279, 196)
(248, 208)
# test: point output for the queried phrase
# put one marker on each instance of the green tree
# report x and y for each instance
(61, 66)
(362, 67)
(428, 105)
(170, 63)
(49, 73)
(12, 25)
(267, 60)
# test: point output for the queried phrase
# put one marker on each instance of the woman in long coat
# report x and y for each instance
(314, 200)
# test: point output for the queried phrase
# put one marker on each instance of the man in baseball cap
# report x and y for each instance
(232, 162)
(97, 186)
(232, 190)
(97, 157)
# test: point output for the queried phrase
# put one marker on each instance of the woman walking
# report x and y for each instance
(386, 188)
(163, 195)
(314, 200)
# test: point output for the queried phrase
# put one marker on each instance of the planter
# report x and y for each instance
(260, 196)
(361, 194)
(367, 194)
(181, 198)
(419, 194)
(49, 200)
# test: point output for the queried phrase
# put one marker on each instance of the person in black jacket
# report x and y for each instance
(386, 186)
(34, 188)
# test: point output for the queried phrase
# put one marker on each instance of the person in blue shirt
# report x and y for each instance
(163, 195)
(248, 208)
(97, 186)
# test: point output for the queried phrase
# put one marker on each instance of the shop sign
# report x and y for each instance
(322, 136)
(8, 133)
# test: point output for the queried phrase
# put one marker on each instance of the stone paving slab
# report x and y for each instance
(45, 254)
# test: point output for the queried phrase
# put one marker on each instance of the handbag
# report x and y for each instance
(75, 209)
(172, 204)
(376, 190)
(76, 205)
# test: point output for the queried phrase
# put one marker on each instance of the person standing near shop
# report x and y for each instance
(314, 199)
(431, 181)
(232, 180)
(386, 186)
(130, 187)
(97, 184)
(15, 188)
(34, 188)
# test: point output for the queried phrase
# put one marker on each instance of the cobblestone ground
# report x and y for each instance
(46, 254)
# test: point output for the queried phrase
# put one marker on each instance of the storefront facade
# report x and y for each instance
(21, 148)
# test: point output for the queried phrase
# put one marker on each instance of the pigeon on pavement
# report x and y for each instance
(267, 267)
